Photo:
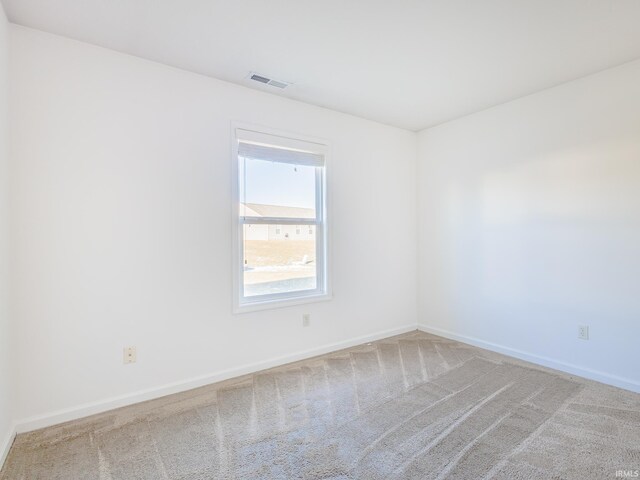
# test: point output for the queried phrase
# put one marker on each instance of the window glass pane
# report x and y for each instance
(272, 189)
(277, 260)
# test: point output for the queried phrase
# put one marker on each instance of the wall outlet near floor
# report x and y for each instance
(583, 332)
(306, 319)
(130, 355)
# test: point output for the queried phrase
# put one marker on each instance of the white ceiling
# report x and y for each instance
(409, 63)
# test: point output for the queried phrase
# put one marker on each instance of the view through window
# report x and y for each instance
(281, 219)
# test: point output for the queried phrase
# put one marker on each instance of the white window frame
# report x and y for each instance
(322, 292)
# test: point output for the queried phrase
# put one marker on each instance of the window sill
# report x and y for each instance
(280, 303)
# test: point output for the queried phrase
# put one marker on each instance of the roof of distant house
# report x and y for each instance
(274, 211)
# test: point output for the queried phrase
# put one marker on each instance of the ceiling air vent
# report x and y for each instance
(268, 81)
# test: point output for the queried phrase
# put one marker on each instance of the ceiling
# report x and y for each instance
(408, 63)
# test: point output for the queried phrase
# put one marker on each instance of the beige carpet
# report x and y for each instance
(414, 406)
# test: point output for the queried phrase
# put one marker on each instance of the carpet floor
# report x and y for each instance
(414, 406)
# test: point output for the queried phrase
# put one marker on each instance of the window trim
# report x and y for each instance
(321, 222)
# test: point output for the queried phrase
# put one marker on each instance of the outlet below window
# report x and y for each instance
(129, 355)
(583, 332)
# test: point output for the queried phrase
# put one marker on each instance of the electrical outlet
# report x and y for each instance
(583, 332)
(306, 319)
(130, 355)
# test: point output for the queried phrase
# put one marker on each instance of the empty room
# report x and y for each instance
(338, 240)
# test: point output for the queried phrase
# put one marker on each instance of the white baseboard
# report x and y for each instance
(5, 446)
(588, 373)
(80, 411)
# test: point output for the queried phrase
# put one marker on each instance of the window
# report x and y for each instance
(281, 184)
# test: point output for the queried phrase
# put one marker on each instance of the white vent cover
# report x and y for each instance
(256, 77)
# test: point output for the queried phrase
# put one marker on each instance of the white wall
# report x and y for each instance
(122, 226)
(530, 225)
(6, 375)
